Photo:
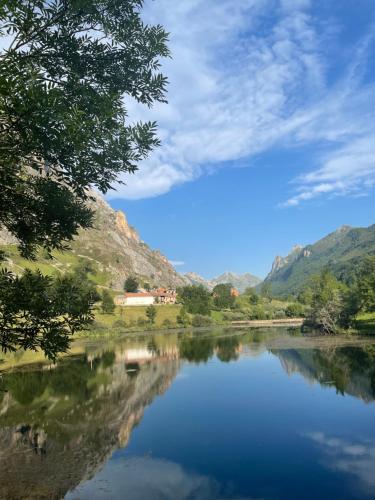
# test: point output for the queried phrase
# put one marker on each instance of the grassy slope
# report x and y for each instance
(61, 262)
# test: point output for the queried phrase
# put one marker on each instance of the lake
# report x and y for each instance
(235, 414)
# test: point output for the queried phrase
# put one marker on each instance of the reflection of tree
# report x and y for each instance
(25, 386)
(349, 369)
(197, 349)
(227, 348)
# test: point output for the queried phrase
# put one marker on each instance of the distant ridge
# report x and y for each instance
(239, 281)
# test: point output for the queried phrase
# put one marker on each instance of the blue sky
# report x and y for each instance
(268, 138)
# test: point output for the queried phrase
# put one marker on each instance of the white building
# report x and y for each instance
(135, 299)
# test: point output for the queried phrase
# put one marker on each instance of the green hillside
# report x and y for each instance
(340, 251)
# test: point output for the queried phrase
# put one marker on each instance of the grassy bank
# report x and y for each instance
(133, 317)
(365, 323)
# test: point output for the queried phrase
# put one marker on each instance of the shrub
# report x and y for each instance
(183, 318)
(258, 312)
(119, 323)
(295, 310)
(142, 322)
(167, 323)
(234, 316)
(200, 320)
(108, 305)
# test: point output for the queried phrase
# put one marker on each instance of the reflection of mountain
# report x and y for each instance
(350, 370)
(77, 415)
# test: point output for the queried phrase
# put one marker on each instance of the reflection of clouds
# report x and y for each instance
(356, 458)
(148, 478)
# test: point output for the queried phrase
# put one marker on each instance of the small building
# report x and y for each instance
(135, 299)
(165, 296)
(120, 300)
(159, 296)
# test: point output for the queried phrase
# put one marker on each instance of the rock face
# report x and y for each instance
(115, 247)
(340, 251)
(280, 262)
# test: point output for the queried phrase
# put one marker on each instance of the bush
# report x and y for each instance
(183, 318)
(142, 322)
(295, 310)
(234, 316)
(279, 314)
(167, 323)
(119, 323)
(108, 305)
(200, 320)
(258, 312)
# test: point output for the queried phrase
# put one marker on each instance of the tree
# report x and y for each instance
(131, 284)
(41, 312)
(147, 286)
(222, 295)
(183, 318)
(108, 305)
(84, 267)
(328, 304)
(252, 295)
(364, 287)
(151, 314)
(199, 320)
(295, 310)
(195, 298)
(65, 67)
(266, 291)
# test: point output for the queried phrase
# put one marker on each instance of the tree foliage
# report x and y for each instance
(151, 314)
(183, 318)
(131, 284)
(222, 296)
(266, 291)
(65, 68)
(328, 311)
(252, 295)
(40, 312)
(108, 305)
(365, 285)
(195, 298)
(63, 128)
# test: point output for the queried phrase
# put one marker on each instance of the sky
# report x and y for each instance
(268, 137)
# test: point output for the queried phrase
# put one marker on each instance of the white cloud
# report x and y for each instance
(353, 457)
(242, 81)
(147, 477)
(177, 263)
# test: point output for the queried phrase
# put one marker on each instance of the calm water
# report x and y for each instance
(256, 414)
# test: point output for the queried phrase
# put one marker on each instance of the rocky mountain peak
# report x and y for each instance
(124, 227)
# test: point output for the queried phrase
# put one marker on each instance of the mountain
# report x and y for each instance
(239, 281)
(340, 251)
(196, 279)
(114, 248)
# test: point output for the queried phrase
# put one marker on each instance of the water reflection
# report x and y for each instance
(59, 424)
(353, 457)
(351, 370)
